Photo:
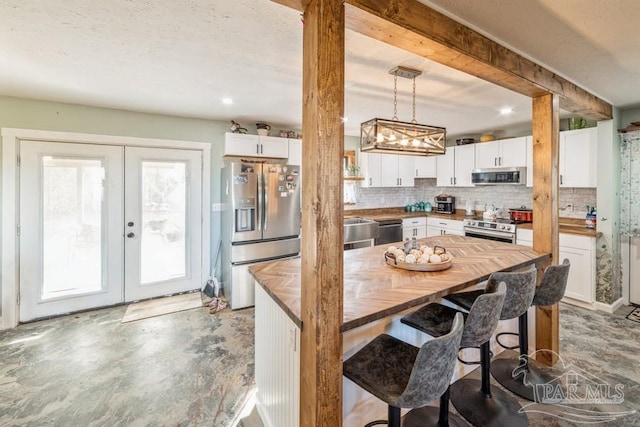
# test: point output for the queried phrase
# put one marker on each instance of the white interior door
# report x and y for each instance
(71, 213)
(163, 220)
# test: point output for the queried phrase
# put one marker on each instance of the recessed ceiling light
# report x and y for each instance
(227, 101)
(505, 111)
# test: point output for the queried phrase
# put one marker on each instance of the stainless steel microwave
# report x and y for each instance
(498, 176)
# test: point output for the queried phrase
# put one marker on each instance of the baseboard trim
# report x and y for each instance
(609, 308)
(571, 301)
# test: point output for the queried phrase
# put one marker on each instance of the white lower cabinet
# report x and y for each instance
(414, 227)
(581, 252)
(439, 227)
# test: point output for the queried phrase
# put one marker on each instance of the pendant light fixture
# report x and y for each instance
(396, 137)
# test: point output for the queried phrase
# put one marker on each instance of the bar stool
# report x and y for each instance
(402, 375)
(480, 324)
(502, 408)
(520, 375)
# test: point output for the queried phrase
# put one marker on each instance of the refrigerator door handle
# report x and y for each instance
(259, 210)
(265, 205)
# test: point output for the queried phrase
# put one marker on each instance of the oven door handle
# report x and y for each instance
(480, 233)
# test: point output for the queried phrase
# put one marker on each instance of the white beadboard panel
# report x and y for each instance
(277, 363)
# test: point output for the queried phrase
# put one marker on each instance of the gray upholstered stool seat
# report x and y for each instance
(520, 374)
(480, 324)
(405, 376)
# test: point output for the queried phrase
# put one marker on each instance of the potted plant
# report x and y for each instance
(352, 170)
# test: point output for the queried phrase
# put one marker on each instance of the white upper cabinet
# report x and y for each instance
(370, 169)
(505, 153)
(578, 158)
(578, 153)
(237, 144)
(386, 170)
(295, 152)
(455, 166)
(445, 168)
(425, 166)
(406, 165)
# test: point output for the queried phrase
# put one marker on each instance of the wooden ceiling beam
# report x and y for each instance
(414, 27)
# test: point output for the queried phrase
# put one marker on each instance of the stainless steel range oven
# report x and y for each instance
(490, 230)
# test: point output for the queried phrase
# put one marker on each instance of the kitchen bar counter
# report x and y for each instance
(567, 225)
(374, 290)
(376, 296)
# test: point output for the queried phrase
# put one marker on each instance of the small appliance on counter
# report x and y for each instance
(468, 208)
(445, 204)
(521, 214)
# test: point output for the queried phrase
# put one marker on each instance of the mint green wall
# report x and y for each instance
(44, 115)
(628, 116)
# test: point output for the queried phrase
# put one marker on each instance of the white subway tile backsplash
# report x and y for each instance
(502, 196)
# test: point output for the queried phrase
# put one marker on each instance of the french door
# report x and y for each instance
(102, 224)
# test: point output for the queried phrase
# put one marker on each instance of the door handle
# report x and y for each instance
(257, 148)
(130, 235)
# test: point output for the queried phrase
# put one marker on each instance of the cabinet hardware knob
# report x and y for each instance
(130, 235)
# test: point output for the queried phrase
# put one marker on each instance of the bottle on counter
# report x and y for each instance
(591, 219)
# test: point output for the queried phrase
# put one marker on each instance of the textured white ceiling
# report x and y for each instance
(182, 57)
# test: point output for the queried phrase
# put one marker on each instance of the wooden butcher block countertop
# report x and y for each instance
(373, 289)
(566, 225)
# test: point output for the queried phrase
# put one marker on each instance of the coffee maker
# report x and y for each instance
(445, 204)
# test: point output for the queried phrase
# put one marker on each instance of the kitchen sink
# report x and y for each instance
(359, 229)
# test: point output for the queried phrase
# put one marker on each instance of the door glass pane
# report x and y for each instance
(164, 208)
(72, 226)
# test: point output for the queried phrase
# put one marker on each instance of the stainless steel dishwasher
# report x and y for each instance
(389, 231)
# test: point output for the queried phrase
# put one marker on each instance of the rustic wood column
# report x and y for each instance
(322, 216)
(546, 147)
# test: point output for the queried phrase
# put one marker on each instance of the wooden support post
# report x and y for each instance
(322, 216)
(546, 147)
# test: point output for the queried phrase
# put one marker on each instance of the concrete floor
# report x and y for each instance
(192, 368)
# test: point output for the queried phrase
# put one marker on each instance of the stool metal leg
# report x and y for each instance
(512, 373)
(432, 416)
(394, 416)
(485, 364)
(483, 405)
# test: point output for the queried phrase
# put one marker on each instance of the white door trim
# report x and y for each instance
(10, 140)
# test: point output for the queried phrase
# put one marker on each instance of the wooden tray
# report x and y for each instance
(391, 260)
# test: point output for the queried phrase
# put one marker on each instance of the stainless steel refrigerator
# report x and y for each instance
(260, 221)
